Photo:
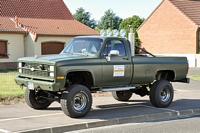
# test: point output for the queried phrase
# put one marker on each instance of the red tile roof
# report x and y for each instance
(41, 9)
(6, 25)
(191, 8)
(41, 17)
(56, 27)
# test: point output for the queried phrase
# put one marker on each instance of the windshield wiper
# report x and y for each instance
(67, 52)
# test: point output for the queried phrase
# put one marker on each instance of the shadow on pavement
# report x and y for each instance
(135, 108)
(183, 104)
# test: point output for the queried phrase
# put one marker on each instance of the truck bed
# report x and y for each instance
(145, 68)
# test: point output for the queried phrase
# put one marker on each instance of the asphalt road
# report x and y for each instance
(193, 85)
(179, 125)
(105, 111)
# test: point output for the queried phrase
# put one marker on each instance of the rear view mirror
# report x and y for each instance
(114, 52)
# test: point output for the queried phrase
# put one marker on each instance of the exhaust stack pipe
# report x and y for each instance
(131, 38)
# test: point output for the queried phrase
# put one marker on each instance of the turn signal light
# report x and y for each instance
(60, 77)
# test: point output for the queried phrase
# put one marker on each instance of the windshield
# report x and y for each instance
(84, 45)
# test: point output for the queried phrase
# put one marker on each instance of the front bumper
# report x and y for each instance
(43, 85)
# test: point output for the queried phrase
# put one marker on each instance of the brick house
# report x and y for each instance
(173, 29)
(35, 27)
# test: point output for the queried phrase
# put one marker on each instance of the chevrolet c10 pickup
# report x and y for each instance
(97, 63)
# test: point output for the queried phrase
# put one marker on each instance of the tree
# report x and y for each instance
(109, 21)
(84, 17)
(135, 21)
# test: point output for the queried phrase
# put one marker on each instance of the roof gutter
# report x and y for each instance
(68, 34)
(13, 32)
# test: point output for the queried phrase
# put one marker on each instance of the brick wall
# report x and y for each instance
(168, 31)
(8, 65)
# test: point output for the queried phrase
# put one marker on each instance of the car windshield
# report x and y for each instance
(84, 45)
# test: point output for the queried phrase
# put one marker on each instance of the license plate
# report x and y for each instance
(30, 86)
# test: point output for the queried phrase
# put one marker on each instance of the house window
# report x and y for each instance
(3, 49)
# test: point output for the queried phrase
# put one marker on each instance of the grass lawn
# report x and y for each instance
(197, 77)
(8, 87)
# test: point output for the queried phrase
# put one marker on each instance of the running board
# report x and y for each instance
(118, 88)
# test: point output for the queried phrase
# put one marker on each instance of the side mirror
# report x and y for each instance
(112, 52)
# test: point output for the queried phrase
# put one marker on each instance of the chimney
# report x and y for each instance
(16, 22)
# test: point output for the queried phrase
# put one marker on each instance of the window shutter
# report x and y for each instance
(3, 47)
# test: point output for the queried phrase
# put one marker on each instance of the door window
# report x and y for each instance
(114, 45)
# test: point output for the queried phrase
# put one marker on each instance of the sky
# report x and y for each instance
(123, 9)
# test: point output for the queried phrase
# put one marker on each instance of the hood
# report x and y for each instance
(56, 57)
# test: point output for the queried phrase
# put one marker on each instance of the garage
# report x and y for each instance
(52, 47)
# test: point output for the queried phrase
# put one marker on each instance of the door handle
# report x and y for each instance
(125, 58)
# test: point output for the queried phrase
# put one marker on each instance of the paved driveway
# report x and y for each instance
(105, 111)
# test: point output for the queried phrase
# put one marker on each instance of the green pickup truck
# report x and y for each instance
(95, 63)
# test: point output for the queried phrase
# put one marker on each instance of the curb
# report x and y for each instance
(132, 119)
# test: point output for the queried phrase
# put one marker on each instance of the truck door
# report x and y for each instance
(117, 71)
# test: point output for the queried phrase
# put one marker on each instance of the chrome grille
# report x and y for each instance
(35, 69)
(35, 73)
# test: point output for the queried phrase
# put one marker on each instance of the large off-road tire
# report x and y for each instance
(161, 94)
(76, 101)
(35, 101)
(122, 95)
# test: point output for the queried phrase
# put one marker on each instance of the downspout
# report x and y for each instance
(198, 40)
(197, 47)
(24, 41)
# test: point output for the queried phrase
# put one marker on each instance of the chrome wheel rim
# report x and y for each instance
(80, 101)
(165, 94)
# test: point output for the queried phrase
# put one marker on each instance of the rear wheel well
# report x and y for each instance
(165, 75)
(81, 77)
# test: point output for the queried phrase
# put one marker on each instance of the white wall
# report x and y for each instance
(29, 46)
(34, 48)
(197, 60)
(19, 46)
(15, 46)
